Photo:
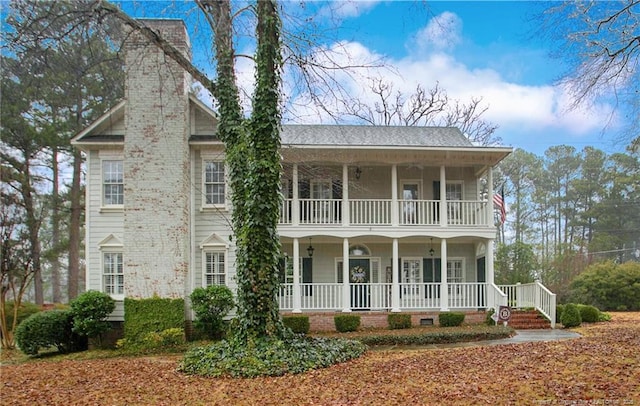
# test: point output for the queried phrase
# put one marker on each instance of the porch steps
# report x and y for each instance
(528, 320)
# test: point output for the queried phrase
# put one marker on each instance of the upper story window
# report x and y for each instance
(112, 183)
(454, 191)
(214, 183)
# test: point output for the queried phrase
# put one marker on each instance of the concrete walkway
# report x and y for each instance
(522, 336)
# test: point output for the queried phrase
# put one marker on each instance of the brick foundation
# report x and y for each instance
(323, 321)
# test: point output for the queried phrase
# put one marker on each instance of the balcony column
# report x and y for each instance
(443, 197)
(395, 278)
(490, 197)
(346, 293)
(444, 283)
(297, 298)
(489, 262)
(295, 205)
(346, 218)
(394, 195)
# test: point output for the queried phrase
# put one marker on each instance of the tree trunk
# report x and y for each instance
(55, 228)
(74, 227)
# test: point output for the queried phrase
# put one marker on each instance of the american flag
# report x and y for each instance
(498, 200)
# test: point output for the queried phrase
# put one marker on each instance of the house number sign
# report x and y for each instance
(504, 313)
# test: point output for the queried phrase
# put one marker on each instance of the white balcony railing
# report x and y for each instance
(378, 212)
(370, 212)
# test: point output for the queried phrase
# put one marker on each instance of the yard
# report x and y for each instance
(602, 367)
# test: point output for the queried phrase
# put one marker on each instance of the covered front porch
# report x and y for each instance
(415, 298)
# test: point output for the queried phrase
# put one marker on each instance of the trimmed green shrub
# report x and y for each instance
(439, 336)
(269, 357)
(488, 320)
(143, 316)
(25, 310)
(399, 321)
(46, 329)
(297, 324)
(170, 340)
(450, 319)
(90, 311)
(211, 305)
(346, 322)
(559, 311)
(608, 286)
(604, 316)
(589, 314)
(571, 316)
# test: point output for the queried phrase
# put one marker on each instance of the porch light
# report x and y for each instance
(358, 172)
(310, 249)
(432, 252)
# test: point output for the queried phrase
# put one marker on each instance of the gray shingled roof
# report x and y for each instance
(373, 136)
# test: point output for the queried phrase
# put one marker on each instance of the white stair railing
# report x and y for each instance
(534, 295)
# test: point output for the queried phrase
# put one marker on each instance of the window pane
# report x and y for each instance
(214, 269)
(113, 182)
(113, 276)
(214, 185)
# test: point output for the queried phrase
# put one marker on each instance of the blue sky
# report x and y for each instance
(472, 49)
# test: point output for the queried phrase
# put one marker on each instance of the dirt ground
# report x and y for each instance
(600, 368)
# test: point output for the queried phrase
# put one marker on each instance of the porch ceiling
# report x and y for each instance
(372, 155)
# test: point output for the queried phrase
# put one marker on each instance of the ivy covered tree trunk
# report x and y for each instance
(258, 277)
(253, 160)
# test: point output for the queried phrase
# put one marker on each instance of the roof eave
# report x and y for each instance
(109, 115)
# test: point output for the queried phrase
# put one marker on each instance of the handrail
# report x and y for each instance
(534, 295)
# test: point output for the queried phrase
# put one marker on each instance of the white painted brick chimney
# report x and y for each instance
(156, 166)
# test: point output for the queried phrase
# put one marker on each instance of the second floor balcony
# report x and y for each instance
(385, 212)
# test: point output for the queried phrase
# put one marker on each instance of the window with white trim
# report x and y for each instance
(214, 182)
(454, 271)
(454, 191)
(215, 268)
(112, 273)
(112, 183)
(411, 275)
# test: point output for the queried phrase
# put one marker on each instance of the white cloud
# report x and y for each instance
(347, 9)
(543, 108)
(444, 31)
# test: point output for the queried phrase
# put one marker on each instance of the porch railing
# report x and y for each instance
(378, 296)
(379, 212)
(534, 295)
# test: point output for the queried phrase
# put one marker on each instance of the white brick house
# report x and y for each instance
(405, 207)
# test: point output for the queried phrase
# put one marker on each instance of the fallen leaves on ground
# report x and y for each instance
(601, 367)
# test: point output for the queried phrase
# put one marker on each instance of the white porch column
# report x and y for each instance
(395, 279)
(394, 195)
(346, 217)
(297, 298)
(490, 197)
(346, 293)
(443, 197)
(295, 205)
(444, 284)
(489, 262)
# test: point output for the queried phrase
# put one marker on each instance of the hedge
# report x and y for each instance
(144, 316)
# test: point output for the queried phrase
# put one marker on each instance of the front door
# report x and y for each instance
(410, 195)
(359, 278)
(481, 278)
